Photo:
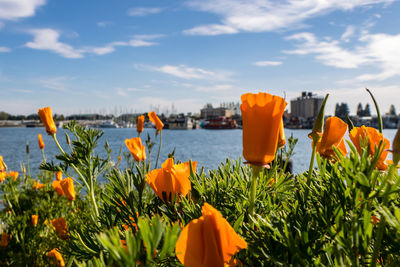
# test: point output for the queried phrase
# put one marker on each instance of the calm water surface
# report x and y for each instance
(208, 147)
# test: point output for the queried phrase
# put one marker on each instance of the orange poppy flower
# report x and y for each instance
(171, 179)
(208, 241)
(34, 220)
(59, 176)
(156, 120)
(68, 188)
(5, 239)
(47, 119)
(2, 176)
(2, 164)
(56, 257)
(13, 175)
(374, 138)
(262, 117)
(281, 136)
(139, 124)
(333, 136)
(37, 185)
(136, 148)
(61, 227)
(57, 187)
(40, 140)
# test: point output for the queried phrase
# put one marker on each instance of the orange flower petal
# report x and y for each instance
(57, 257)
(334, 132)
(57, 187)
(208, 241)
(156, 120)
(139, 124)
(68, 188)
(262, 117)
(171, 179)
(40, 141)
(136, 148)
(46, 117)
(34, 220)
(61, 227)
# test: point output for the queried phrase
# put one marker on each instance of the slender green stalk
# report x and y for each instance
(159, 150)
(253, 188)
(378, 113)
(310, 171)
(381, 226)
(27, 160)
(44, 157)
(90, 187)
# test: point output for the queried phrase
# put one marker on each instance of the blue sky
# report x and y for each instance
(134, 56)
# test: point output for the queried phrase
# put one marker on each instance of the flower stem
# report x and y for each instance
(44, 157)
(310, 171)
(159, 150)
(90, 189)
(253, 186)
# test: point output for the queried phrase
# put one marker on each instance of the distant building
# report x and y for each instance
(208, 112)
(306, 106)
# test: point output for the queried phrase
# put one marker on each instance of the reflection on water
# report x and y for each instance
(208, 147)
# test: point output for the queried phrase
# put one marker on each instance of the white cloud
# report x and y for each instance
(267, 15)
(144, 11)
(377, 50)
(144, 40)
(214, 29)
(267, 63)
(188, 73)
(350, 31)
(15, 9)
(4, 49)
(328, 52)
(47, 39)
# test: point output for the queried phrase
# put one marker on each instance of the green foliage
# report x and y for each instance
(348, 213)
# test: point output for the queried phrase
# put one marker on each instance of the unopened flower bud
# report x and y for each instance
(315, 135)
(396, 148)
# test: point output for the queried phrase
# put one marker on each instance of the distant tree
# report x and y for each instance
(341, 110)
(392, 110)
(4, 116)
(367, 111)
(337, 109)
(360, 111)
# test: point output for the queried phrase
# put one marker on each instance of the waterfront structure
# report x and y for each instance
(306, 106)
(209, 112)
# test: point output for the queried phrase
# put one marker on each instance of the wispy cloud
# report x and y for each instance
(54, 83)
(126, 91)
(188, 73)
(4, 49)
(144, 11)
(15, 9)
(214, 88)
(267, 63)
(350, 31)
(377, 50)
(48, 39)
(104, 23)
(266, 15)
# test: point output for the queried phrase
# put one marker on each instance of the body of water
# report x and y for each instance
(208, 147)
